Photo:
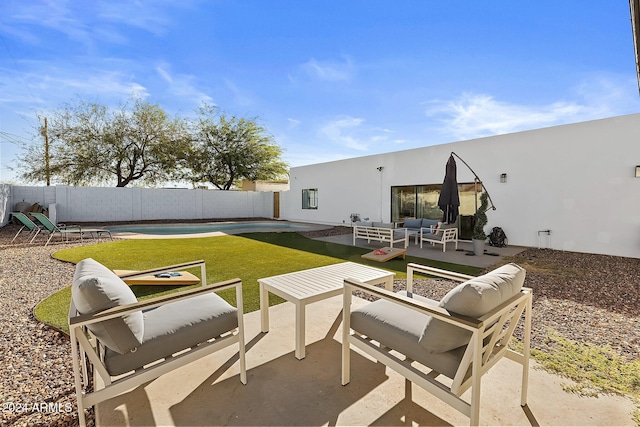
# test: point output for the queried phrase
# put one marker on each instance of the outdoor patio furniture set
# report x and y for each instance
(123, 342)
(37, 223)
(423, 230)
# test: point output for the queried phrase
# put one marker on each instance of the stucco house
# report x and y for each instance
(572, 187)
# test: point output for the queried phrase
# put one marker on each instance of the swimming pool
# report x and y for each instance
(226, 227)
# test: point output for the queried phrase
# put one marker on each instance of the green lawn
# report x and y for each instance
(248, 256)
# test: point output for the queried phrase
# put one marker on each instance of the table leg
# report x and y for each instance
(388, 283)
(300, 330)
(264, 308)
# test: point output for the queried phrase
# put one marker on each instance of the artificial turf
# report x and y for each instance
(247, 256)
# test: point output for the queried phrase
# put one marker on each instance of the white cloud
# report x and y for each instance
(474, 115)
(182, 85)
(352, 132)
(52, 85)
(292, 123)
(88, 22)
(332, 71)
(241, 97)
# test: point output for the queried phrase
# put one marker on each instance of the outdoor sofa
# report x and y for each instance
(414, 225)
(380, 232)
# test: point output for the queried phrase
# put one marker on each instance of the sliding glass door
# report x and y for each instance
(421, 201)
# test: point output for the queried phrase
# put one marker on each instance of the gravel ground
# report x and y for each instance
(585, 297)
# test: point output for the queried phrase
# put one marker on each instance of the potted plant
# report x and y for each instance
(480, 217)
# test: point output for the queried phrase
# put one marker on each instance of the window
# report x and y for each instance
(421, 201)
(310, 198)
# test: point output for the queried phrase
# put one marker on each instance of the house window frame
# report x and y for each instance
(310, 198)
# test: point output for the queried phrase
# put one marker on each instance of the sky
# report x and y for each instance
(328, 79)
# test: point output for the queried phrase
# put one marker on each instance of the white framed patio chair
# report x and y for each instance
(460, 337)
(440, 235)
(127, 343)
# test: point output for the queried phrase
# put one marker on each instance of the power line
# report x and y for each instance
(6, 137)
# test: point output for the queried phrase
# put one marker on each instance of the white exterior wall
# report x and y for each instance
(6, 204)
(576, 180)
(110, 204)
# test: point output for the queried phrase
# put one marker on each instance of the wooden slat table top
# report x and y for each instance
(310, 283)
(390, 253)
(185, 278)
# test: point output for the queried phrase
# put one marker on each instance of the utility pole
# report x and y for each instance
(45, 134)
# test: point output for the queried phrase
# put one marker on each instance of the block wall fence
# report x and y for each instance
(100, 204)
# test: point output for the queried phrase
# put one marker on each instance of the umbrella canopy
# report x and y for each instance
(449, 200)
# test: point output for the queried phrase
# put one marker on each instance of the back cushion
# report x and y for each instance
(413, 223)
(96, 288)
(383, 224)
(473, 298)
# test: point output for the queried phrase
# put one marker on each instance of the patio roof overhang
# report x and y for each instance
(634, 7)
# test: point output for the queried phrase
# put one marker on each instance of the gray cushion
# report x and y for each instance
(473, 298)
(364, 224)
(399, 233)
(400, 328)
(96, 288)
(413, 223)
(429, 222)
(383, 224)
(432, 236)
(173, 327)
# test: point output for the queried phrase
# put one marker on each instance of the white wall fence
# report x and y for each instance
(100, 204)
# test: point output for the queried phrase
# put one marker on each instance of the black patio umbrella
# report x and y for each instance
(449, 200)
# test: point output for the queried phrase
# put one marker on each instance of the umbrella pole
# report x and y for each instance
(476, 181)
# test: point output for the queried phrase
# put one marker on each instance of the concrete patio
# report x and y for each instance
(284, 391)
(492, 254)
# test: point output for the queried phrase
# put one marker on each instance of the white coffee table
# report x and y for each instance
(307, 286)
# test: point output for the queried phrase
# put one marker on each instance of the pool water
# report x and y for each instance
(169, 230)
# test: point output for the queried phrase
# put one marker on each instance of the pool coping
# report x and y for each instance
(239, 230)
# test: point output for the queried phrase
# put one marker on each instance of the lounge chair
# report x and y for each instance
(461, 337)
(111, 337)
(34, 229)
(52, 229)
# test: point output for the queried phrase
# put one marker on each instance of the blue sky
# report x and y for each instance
(328, 79)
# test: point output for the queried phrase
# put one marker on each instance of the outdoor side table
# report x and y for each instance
(307, 286)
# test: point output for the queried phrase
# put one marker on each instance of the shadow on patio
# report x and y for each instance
(282, 390)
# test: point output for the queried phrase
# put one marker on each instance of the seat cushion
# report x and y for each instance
(426, 223)
(400, 328)
(173, 327)
(96, 288)
(431, 236)
(364, 224)
(473, 298)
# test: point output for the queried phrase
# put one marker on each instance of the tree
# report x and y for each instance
(90, 144)
(226, 149)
